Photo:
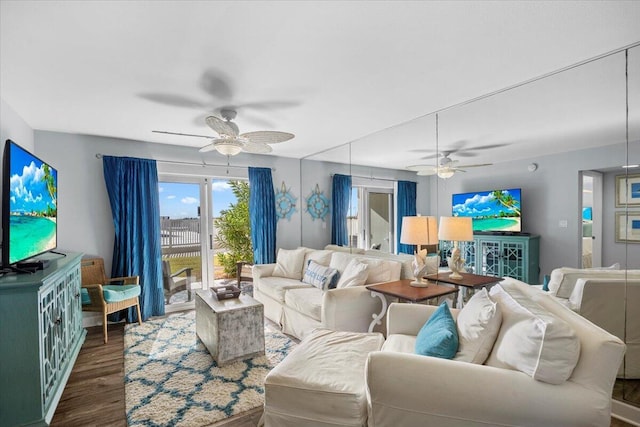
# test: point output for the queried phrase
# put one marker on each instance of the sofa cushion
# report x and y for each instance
(532, 339)
(478, 326)
(340, 260)
(322, 257)
(307, 301)
(400, 343)
(439, 336)
(276, 287)
(289, 263)
(354, 275)
(320, 276)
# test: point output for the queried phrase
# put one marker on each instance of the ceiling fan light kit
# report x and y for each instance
(228, 147)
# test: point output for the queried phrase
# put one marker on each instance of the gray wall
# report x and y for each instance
(84, 214)
(550, 195)
(13, 127)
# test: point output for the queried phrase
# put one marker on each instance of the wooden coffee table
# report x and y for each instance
(470, 282)
(404, 292)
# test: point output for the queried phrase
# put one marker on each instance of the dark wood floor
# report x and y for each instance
(94, 395)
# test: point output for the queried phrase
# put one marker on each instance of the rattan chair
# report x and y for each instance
(103, 295)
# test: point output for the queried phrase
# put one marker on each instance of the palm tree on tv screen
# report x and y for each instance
(505, 199)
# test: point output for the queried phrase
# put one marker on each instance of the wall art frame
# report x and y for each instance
(628, 227)
(627, 190)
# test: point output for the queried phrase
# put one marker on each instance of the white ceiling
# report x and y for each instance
(330, 72)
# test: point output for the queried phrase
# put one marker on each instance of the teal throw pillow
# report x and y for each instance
(439, 336)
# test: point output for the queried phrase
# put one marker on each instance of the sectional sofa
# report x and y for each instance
(299, 307)
(607, 297)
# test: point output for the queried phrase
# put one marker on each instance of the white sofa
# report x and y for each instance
(405, 389)
(607, 297)
(299, 307)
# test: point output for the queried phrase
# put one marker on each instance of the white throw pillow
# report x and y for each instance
(378, 270)
(289, 263)
(531, 339)
(478, 326)
(354, 275)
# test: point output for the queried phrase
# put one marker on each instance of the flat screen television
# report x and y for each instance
(494, 211)
(29, 205)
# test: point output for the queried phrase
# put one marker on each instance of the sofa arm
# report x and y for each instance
(408, 319)
(263, 270)
(412, 390)
(349, 309)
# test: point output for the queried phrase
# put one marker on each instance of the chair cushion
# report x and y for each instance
(113, 293)
(307, 301)
(438, 337)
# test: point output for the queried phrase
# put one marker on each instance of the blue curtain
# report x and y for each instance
(340, 197)
(262, 214)
(406, 207)
(132, 185)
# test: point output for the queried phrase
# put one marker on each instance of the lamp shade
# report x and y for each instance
(458, 229)
(419, 230)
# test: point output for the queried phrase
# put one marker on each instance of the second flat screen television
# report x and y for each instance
(497, 211)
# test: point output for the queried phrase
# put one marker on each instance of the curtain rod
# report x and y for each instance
(203, 164)
(372, 178)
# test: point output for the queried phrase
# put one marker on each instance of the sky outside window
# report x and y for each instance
(181, 200)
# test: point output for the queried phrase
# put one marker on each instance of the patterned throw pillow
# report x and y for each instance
(320, 276)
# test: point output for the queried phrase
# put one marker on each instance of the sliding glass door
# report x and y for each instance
(194, 211)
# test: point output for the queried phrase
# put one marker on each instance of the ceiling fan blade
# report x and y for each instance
(172, 99)
(222, 127)
(267, 136)
(181, 134)
(474, 166)
(427, 172)
(209, 147)
(429, 169)
(266, 105)
(257, 148)
(216, 83)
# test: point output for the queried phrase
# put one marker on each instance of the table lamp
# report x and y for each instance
(457, 229)
(419, 230)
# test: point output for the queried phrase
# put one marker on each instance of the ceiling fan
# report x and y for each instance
(446, 167)
(231, 142)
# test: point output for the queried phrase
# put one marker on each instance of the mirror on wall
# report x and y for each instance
(515, 138)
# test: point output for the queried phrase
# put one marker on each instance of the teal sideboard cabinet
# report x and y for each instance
(40, 337)
(516, 256)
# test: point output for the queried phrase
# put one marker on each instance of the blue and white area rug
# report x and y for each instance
(172, 380)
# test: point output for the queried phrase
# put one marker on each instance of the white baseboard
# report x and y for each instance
(625, 412)
(91, 319)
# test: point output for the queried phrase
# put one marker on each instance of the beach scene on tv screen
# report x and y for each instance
(32, 206)
(497, 210)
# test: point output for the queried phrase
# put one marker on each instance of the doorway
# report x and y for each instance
(590, 242)
(188, 209)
